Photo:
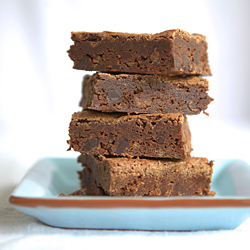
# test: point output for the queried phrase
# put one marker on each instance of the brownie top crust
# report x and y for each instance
(171, 52)
(176, 81)
(95, 36)
(123, 164)
(120, 117)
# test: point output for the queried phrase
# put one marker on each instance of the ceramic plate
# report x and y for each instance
(37, 195)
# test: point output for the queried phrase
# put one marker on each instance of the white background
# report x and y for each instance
(39, 90)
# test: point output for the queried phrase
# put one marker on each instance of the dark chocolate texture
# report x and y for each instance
(117, 134)
(133, 93)
(172, 52)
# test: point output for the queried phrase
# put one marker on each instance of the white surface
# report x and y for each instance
(39, 91)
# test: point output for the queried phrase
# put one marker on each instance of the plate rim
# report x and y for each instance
(124, 202)
(139, 202)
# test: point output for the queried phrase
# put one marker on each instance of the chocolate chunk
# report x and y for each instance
(160, 139)
(177, 64)
(122, 147)
(184, 58)
(185, 61)
(155, 55)
(92, 143)
(196, 57)
(191, 105)
(114, 95)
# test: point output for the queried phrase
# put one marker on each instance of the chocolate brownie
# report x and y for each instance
(121, 176)
(150, 135)
(80, 192)
(134, 93)
(172, 52)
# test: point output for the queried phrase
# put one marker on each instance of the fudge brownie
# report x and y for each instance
(121, 176)
(117, 134)
(80, 192)
(133, 93)
(172, 52)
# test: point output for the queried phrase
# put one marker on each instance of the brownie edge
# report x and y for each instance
(121, 176)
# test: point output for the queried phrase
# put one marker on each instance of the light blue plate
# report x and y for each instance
(37, 195)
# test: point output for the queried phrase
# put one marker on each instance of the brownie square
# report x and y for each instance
(117, 134)
(133, 93)
(172, 52)
(121, 176)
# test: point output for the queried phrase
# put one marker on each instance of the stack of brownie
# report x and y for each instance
(133, 133)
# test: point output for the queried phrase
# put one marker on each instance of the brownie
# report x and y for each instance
(133, 93)
(121, 176)
(80, 192)
(118, 134)
(172, 52)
